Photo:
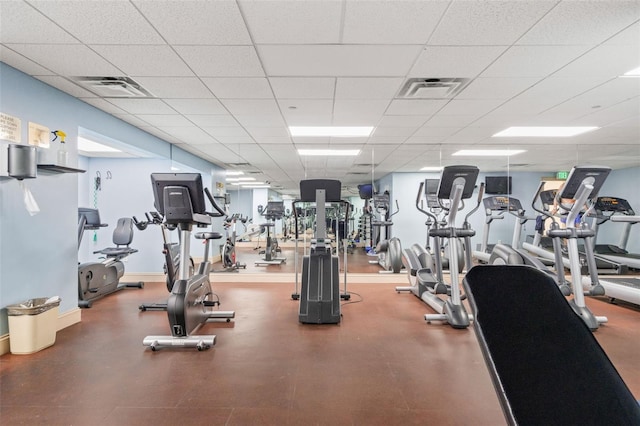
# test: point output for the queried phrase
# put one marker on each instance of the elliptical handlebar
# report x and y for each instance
(536, 197)
(220, 212)
(419, 204)
(480, 195)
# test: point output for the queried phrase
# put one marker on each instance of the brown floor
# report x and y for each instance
(381, 366)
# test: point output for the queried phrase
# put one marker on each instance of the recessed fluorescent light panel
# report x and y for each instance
(240, 179)
(431, 169)
(86, 145)
(331, 131)
(488, 152)
(231, 173)
(633, 73)
(543, 132)
(329, 152)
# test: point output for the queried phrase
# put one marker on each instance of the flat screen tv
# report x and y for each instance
(497, 185)
(191, 181)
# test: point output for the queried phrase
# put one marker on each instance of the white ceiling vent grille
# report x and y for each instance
(432, 88)
(113, 87)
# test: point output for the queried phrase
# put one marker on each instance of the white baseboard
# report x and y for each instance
(65, 320)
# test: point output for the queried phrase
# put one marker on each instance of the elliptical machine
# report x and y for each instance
(99, 279)
(320, 292)
(180, 198)
(389, 249)
(425, 278)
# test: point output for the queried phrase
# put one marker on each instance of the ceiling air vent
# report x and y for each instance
(113, 87)
(432, 88)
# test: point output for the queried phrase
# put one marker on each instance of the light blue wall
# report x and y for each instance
(39, 254)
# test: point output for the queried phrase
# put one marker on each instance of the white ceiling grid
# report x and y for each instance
(228, 77)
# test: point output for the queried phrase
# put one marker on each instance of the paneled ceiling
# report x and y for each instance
(227, 78)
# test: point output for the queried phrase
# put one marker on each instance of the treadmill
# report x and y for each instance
(615, 209)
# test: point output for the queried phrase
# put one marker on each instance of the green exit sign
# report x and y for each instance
(562, 175)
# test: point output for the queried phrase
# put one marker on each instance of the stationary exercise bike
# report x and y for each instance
(273, 212)
(230, 262)
(388, 249)
(99, 279)
(180, 198)
(171, 253)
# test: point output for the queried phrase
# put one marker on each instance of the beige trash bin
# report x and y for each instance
(33, 324)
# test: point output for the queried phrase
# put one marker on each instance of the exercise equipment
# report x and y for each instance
(425, 277)
(99, 279)
(320, 292)
(273, 212)
(495, 208)
(171, 252)
(546, 367)
(179, 197)
(618, 210)
(388, 250)
(581, 187)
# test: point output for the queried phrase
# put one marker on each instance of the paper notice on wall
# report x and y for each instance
(9, 128)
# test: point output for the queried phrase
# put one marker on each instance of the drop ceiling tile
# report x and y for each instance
(226, 131)
(625, 113)
(367, 88)
(436, 132)
(21, 63)
(469, 107)
(14, 15)
(337, 60)
(385, 22)
(287, 22)
(104, 105)
(239, 88)
(174, 87)
(133, 120)
(603, 61)
(533, 61)
(424, 108)
(142, 106)
(67, 59)
(163, 120)
(454, 61)
(210, 120)
(268, 140)
(371, 110)
(582, 22)
(66, 86)
(231, 140)
(268, 131)
(102, 22)
(424, 140)
(554, 90)
(260, 120)
(394, 131)
(496, 88)
(189, 135)
(386, 140)
(197, 22)
(222, 61)
(442, 120)
(296, 108)
(144, 60)
(630, 36)
(488, 23)
(303, 88)
(251, 106)
(197, 106)
(401, 121)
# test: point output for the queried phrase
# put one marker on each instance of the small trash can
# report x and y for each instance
(33, 324)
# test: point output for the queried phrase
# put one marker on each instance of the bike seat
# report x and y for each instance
(208, 235)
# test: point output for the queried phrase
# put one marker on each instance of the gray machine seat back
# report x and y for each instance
(123, 234)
